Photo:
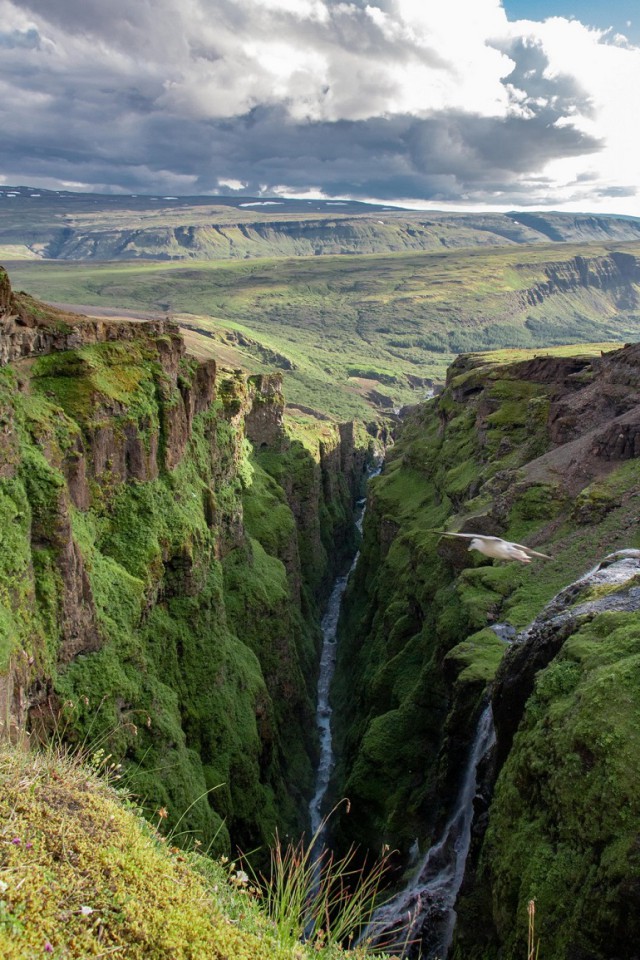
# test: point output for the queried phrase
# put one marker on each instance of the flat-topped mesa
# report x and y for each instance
(601, 272)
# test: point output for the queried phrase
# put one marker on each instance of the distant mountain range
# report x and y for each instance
(64, 225)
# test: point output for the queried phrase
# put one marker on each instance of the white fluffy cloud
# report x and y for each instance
(396, 99)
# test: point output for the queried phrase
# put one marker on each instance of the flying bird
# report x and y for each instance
(498, 548)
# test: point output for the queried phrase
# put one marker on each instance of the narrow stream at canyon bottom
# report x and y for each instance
(323, 710)
(424, 911)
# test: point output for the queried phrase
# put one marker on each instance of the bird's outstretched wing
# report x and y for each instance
(467, 536)
(532, 553)
(470, 536)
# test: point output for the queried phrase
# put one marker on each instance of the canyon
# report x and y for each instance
(172, 533)
(160, 583)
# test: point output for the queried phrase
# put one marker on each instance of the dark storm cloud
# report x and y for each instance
(105, 112)
(438, 158)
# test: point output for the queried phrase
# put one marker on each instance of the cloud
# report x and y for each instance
(388, 99)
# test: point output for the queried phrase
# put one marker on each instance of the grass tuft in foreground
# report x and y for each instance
(324, 900)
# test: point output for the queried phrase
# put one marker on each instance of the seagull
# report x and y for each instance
(498, 548)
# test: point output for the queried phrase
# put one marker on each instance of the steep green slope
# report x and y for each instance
(364, 333)
(83, 875)
(138, 610)
(563, 824)
(538, 450)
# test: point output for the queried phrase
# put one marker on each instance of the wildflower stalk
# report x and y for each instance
(532, 946)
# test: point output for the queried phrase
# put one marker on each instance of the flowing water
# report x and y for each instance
(323, 710)
(424, 911)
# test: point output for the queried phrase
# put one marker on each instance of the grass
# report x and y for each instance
(363, 334)
(200, 627)
(416, 650)
(82, 875)
(563, 822)
(312, 895)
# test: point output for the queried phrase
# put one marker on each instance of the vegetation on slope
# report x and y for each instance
(78, 226)
(136, 607)
(357, 333)
(82, 875)
(563, 824)
(416, 650)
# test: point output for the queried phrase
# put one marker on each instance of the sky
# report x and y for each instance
(434, 104)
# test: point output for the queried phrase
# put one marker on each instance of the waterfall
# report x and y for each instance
(424, 910)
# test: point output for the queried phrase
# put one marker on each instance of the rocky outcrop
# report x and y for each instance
(5, 294)
(611, 586)
(264, 420)
(155, 589)
(541, 452)
(14, 702)
(563, 704)
(614, 272)
(24, 333)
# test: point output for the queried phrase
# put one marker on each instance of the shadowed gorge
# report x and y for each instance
(541, 451)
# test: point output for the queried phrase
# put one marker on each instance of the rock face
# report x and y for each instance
(157, 591)
(567, 754)
(536, 451)
(603, 273)
(198, 228)
(264, 420)
(29, 329)
(613, 585)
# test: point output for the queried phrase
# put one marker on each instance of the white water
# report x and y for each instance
(323, 710)
(329, 627)
(427, 902)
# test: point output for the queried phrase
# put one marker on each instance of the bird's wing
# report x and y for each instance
(532, 553)
(472, 536)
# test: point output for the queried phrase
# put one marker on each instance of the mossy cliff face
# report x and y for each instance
(540, 450)
(152, 596)
(563, 823)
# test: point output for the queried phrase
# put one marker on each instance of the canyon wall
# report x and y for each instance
(541, 451)
(167, 541)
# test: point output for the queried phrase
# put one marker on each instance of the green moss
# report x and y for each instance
(16, 585)
(80, 380)
(461, 459)
(203, 682)
(563, 821)
(83, 875)
(477, 658)
(267, 514)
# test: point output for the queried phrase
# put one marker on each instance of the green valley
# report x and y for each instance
(364, 335)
